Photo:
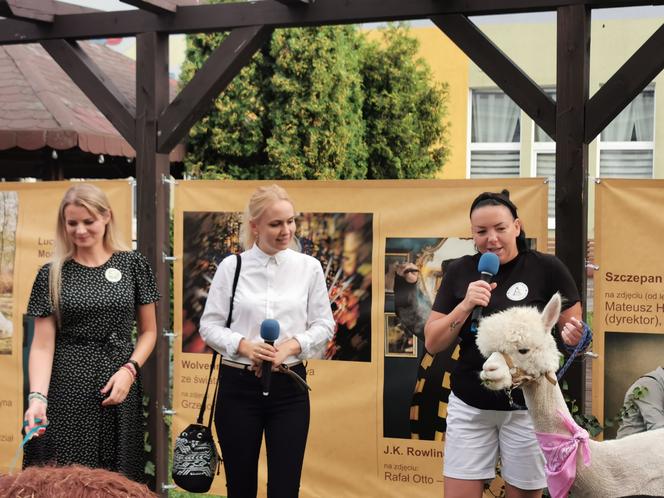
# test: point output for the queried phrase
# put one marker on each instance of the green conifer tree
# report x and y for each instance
(321, 103)
(404, 109)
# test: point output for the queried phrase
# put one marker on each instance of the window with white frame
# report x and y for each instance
(495, 135)
(544, 158)
(626, 145)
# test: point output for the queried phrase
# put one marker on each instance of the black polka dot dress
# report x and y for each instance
(98, 310)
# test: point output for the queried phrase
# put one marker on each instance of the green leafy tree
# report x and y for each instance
(318, 103)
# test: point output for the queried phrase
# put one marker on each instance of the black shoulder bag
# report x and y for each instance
(195, 457)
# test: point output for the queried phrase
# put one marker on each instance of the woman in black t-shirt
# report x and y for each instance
(483, 424)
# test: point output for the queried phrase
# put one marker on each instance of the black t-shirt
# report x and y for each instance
(530, 279)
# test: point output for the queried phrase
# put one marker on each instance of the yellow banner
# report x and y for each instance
(628, 320)
(27, 219)
(365, 412)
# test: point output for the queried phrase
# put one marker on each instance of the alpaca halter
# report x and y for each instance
(520, 376)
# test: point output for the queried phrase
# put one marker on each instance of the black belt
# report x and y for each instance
(235, 364)
(284, 369)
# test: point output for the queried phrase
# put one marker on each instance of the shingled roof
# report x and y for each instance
(41, 107)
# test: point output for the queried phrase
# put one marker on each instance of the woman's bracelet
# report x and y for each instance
(134, 364)
(131, 372)
(131, 367)
(39, 396)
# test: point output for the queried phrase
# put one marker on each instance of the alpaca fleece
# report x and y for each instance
(70, 482)
(631, 466)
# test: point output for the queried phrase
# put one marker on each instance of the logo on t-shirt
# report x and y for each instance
(517, 292)
(113, 275)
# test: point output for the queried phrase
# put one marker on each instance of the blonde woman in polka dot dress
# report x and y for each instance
(84, 367)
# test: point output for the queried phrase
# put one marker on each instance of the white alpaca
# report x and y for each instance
(6, 326)
(633, 465)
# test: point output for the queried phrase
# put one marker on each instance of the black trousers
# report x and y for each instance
(243, 414)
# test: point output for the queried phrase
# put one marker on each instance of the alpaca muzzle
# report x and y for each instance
(520, 376)
(495, 373)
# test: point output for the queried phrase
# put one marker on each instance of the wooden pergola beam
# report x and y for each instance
(95, 84)
(501, 69)
(219, 69)
(228, 16)
(154, 6)
(28, 10)
(571, 198)
(152, 219)
(627, 82)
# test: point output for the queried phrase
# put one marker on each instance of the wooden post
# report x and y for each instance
(152, 87)
(573, 76)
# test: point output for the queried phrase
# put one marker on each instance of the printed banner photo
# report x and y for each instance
(628, 321)
(378, 399)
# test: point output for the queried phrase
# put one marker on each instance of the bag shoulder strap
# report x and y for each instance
(201, 412)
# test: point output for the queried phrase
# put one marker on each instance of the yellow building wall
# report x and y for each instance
(450, 65)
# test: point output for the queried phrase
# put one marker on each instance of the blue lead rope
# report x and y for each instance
(27, 438)
(574, 351)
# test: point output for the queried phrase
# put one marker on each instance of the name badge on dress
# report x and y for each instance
(113, 275)
(517, 292)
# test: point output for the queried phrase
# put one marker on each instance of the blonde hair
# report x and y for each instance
(258, 202)
(95, 201)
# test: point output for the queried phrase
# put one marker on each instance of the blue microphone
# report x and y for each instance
(269, 333)
(488, 267)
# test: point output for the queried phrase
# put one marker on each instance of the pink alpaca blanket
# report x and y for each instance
(560, 454)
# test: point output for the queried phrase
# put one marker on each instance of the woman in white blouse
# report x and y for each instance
(275, 283)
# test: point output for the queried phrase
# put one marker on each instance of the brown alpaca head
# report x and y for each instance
(73, 482)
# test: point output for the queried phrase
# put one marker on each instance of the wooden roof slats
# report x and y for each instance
(501, 69)
(43, 11)
(95, 84)
(30, 10)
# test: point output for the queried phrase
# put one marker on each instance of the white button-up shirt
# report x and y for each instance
(288, 287)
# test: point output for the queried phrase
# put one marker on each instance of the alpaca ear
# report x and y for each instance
(551, 312)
